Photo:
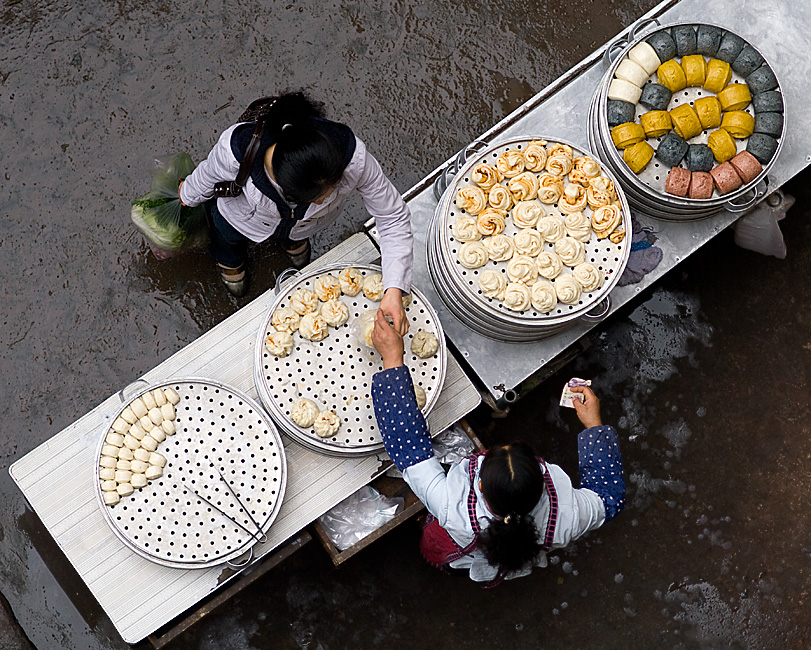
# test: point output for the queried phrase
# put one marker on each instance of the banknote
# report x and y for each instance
(567, 396)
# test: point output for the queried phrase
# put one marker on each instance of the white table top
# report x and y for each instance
(140, 596)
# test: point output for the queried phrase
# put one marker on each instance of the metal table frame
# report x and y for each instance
(561, 109)
(58, 477)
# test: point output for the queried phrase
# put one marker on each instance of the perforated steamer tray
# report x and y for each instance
(610, 258)
(217, 427)
(336, 373)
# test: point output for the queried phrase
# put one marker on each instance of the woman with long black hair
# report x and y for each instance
(305, 167)
(498, 514)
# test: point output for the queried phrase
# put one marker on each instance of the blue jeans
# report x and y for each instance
(229, 246)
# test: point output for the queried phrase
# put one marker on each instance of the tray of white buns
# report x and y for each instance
(190, 473)
(315, 360)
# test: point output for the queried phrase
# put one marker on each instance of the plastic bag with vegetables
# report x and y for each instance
(169, 226)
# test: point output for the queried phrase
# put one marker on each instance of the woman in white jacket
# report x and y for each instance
(495, 515)
(305, 167)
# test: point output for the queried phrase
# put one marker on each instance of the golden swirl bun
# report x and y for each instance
(500, 248)
(735, 97)
(516, 296)
(588, 276)
(472, 255)
(637, 156)
(543, 297)
(551, 228)
(685, 121)
(656, 123)
(529, 242)
(708, 110)
(567, 289)
(601, 192)
(722, 145)
(571, 251)
(605, 219)
(549, 264)
(559, 164)
(511, 163)
(719, 74)
(739, 124)
(500, 198)
(624, 135)
(527, 213)
(695, 69)
(522, 268)
(485, 176)
(464, 229)
(471, 199)
(578, 225)
(492, 284)
(491, 221)
(550, 187)
(671, 75)
(524, 187)
(535, 155)
(573, 199)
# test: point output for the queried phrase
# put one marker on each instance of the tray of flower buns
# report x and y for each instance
(314, 358)
(694, 111)
(533, 231)
(190, 473)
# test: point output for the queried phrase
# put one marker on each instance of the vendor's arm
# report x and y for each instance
(393, 220)
(221, 165)
(599, 455)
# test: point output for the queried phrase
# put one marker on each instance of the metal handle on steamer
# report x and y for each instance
(614, 49)
(758, 192)
(637, 29)
(124, 391)
(284, 275)
(241, 565)
(604, 306)
(442, 181)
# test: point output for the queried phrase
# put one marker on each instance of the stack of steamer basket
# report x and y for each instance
(460, 289)
(715, 62)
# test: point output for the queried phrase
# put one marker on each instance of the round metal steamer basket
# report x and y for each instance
(646, 191)
(336, 373)
(459, 287)
(221, 435)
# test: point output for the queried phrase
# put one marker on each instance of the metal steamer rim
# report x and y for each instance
(609, 257)
(652, 178)
(222, 486)
(336, 372)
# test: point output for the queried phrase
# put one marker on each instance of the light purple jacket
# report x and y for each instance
(255, 215)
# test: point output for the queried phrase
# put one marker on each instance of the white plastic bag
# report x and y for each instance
(452, 445)
(759, 231)
(358, 515)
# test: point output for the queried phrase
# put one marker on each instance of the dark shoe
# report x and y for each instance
(300, 257)
(235, 280)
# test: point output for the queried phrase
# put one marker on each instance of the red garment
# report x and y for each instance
(436, 544)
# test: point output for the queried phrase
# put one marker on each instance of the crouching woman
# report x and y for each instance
(497, 514)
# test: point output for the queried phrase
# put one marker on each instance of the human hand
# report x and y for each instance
(178, 192)
(387, 341)
(392, 307)
(588, 411)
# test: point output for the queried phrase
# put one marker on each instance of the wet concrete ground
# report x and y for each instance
(706, 376)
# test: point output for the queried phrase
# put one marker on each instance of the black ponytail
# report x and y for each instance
(512, 485)
(305, 162)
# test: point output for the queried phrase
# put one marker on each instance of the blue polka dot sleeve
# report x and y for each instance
(401, 423)
(601, 467)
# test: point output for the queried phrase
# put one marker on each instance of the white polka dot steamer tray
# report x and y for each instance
(221, 486)
(609, 257)
(336, 372)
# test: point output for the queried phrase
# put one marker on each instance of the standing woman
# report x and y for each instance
(303, 171)
(498, 514)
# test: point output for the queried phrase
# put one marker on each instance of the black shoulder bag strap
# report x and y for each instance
(234, 188)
